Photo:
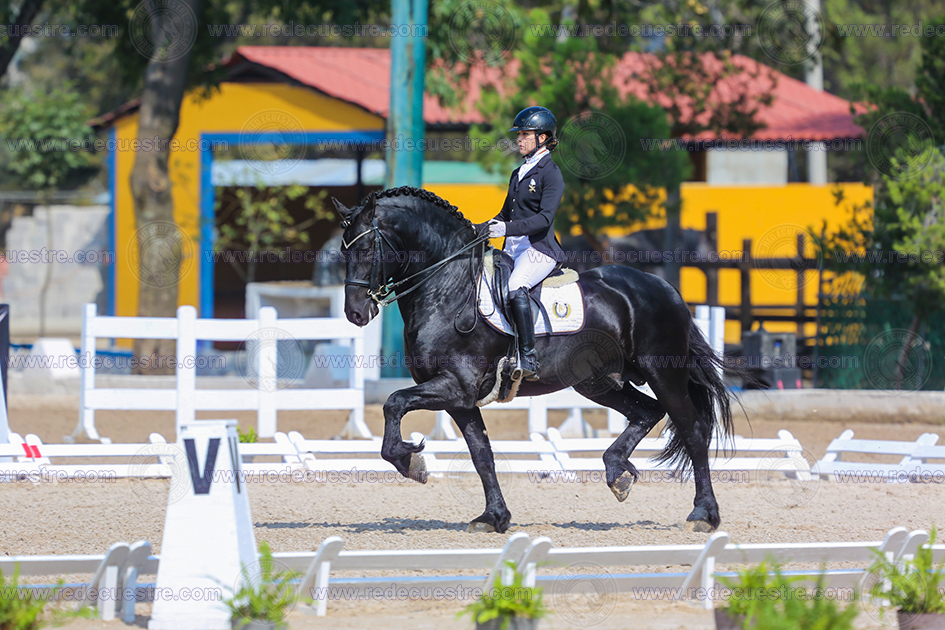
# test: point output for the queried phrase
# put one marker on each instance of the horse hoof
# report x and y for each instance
(701, 527)
(417, 469)
(622, 486)
(478, 527)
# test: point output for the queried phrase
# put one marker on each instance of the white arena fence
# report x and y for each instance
(915, 460)
(266, 399)
(442, 457)
(536, 559)
(921, 461)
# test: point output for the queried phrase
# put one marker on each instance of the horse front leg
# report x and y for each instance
(435, 394)
(496, 516)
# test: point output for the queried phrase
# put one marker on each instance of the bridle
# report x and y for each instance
(380, 285)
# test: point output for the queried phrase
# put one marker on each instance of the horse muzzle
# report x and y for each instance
(360, 310)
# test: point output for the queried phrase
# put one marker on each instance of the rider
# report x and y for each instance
(527, 221)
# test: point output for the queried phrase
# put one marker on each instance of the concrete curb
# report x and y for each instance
(843, 405)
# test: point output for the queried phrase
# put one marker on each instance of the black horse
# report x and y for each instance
(638, 329)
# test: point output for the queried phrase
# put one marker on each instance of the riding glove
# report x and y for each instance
(496, 229)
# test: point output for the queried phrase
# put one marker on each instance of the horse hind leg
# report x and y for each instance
(643, 413)
(692, 436)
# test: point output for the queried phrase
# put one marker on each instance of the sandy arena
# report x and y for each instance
(66, 518)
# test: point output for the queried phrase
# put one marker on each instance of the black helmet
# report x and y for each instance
(539, 120)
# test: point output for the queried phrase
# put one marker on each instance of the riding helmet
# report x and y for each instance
(539, 120)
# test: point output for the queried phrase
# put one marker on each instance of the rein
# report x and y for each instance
(380, 291)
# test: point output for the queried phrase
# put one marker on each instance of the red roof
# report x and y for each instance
(361, 76)
(797, 111)
(357, 75)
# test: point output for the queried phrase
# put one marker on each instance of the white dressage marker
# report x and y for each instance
(208, 533)
(266, 399)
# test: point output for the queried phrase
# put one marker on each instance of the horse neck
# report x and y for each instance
(428, 238)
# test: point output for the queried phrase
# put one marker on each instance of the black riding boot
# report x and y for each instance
(525, 327)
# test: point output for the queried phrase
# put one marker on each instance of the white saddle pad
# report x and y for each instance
(564, 305)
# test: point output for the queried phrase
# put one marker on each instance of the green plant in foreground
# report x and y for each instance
(807, 609)
(20, 610)
(249, 437)
(913, 586)
(751, 580)
(267, 596)
(768, 600)
(507, 601)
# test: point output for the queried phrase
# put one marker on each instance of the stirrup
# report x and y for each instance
(518, 372)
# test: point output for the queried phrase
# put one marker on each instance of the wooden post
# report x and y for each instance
(817, 338)
(744, 268)
(712, 274)
(801, 275)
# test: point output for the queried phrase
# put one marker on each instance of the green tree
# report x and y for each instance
(892, 250)
(37, 128)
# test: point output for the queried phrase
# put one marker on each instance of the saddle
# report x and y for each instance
(502, 265)
(562, 295)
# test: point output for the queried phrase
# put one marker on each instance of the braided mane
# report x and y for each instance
(424, 195)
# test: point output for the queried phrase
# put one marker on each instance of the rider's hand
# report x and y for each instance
(496, 229)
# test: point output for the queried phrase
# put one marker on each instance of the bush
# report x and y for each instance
(792, 609)
(505, 601)
(913, 586)
(266, 597)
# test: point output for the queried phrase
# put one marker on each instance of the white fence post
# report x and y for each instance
(186, 376)
(265, 397)
(356, 427)
(86, 426)
(267, 355)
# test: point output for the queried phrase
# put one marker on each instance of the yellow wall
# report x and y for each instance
(229, 110)
(477, 202)
(771, 216)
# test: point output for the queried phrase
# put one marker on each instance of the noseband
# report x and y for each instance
(377, 290)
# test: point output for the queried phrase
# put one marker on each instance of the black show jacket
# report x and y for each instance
(530, 206)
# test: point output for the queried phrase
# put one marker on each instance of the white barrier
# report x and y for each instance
(915, 456)
(266, 399)
(33, 459)
(527, 556)
(554, 454)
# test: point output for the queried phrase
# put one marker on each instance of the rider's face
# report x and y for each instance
(526, 141)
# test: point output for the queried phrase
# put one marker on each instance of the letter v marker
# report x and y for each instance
(202, 482)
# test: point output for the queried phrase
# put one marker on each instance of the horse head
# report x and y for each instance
(358, 251)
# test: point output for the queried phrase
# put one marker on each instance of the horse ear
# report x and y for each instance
(342, 209)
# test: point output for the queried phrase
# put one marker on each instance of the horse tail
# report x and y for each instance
(708, 394)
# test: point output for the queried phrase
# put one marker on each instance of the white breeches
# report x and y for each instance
(531, 267)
